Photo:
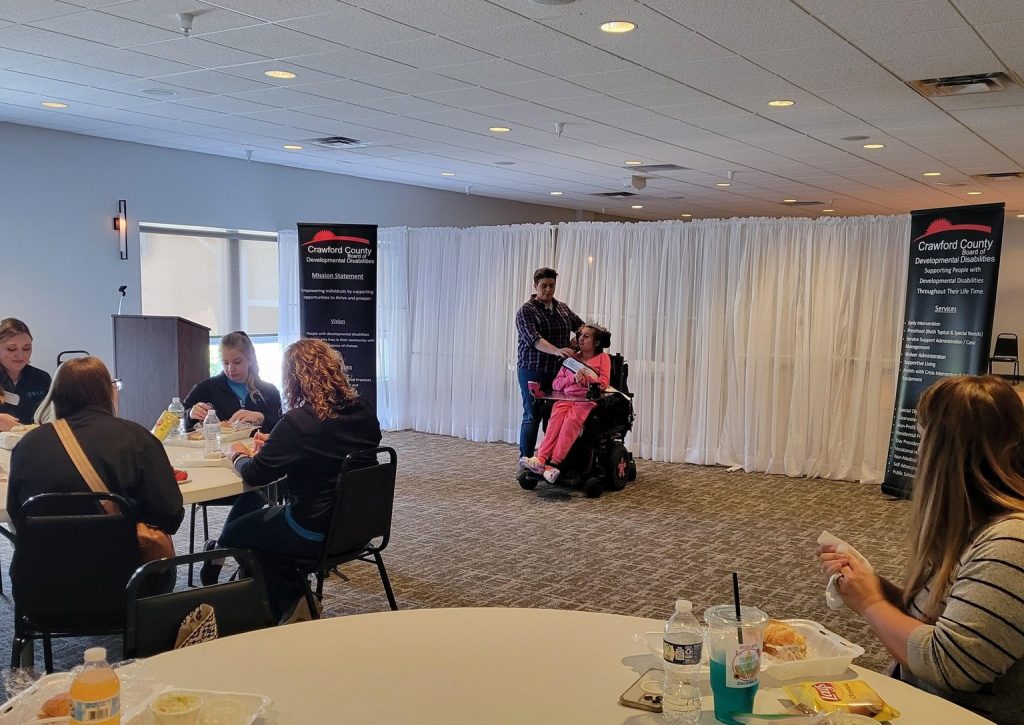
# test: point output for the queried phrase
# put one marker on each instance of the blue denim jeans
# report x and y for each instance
(529, 427)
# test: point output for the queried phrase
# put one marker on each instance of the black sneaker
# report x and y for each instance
(209, 572)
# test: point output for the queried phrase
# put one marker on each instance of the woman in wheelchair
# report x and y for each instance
(568, 416)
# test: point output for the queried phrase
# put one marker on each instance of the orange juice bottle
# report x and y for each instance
(96, 691)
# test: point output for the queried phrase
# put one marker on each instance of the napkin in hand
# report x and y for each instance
(832, 597)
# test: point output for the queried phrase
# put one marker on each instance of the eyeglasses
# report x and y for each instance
(116, 382)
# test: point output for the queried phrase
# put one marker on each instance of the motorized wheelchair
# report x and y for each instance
(599, 459)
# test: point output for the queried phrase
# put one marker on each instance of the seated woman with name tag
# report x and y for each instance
(22, 387)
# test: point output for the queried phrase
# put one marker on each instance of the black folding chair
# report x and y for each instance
(239, 605)
(1006, 352)
(71, 563)
(360, 526)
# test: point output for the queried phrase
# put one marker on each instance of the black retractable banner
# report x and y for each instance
(338, 293)
(951, 297)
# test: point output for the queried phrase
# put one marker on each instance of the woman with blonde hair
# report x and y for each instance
(326, 420)
(237, 394)
(22, 386)
(956, 627)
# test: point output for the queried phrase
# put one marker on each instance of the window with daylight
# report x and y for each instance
(225, 279)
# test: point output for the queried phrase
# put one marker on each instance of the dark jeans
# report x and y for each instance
(529, 427)
(266, 531)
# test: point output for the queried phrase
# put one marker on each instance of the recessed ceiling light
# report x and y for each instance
(499, 129)
(447, 173)
(687, 216)
(782, 103)
(827, 211)
(159, 92)
(1020, 216)
(973, 193)
(723, 183)
(634, 163)
(284, 74)
(932, 173)
(54, 104)
(618, 26)
(637, 206)
(292, 147)
(555, 193)
(789, 201)
(874, 145)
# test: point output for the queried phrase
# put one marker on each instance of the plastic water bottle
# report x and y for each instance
(211, 435)
(96, 692)
(683, 644)
(179, 410)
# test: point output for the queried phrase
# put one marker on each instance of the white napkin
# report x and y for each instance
(832, 597)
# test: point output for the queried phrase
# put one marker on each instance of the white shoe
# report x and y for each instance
(551, 474)
(532, 464)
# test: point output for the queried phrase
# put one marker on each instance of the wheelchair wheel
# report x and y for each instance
(593, 487)
(527, 480)
(631, 471)
(617, 465)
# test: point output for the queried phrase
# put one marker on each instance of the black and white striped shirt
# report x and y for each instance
(974, 653)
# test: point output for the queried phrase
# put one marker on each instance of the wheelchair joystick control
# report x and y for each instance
(594, 391)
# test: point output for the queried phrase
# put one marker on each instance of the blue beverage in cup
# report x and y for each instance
(735, 654)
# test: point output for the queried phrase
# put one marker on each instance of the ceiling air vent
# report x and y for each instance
(805, 203)
(615, 194)
(963, 85)
(654, 168)
(339, 142)
(1001, 176)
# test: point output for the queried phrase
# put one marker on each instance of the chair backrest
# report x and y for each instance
(72, 560)
(620, 373)
(152, 622)
(363, 502)
(1006, 345)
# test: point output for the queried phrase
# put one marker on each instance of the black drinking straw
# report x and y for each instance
(736, 600)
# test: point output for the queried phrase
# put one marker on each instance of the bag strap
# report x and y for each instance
(74, 449)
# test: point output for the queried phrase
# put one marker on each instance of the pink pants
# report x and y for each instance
(563, 429)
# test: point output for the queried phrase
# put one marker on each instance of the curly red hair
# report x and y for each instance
(314, 374)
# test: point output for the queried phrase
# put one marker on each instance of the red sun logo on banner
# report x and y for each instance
(944, 225)
(325, 236)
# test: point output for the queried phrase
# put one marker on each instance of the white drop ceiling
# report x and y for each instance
(420, 82)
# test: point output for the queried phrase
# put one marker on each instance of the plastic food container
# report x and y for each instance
(828, 654)
(218, 708)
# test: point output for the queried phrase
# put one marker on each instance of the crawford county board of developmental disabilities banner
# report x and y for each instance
(947, 327)
(338, 296)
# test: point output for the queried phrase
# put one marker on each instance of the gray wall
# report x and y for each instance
(1010, 292)
(58, 194)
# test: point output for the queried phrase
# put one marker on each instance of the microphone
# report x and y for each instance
(123, 289)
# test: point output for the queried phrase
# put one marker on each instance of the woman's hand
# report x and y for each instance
(199, 411)
(831, 561)
(258, 440)
(858, 587)
(7, 422)
(238, 449)
(566, 352)
(246, 416)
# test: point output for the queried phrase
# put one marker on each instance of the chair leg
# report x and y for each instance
(314, 613)
(17, 650)
(320, 576)
(384, 580)
(48, 653)
(191, 542)
(206, 524)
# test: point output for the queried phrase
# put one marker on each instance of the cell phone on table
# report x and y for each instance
(646, 692)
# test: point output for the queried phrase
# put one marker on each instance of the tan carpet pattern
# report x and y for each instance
(466, 534)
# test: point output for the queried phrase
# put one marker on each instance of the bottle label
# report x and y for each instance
(744, 665)
(97, 711)
(683, 654)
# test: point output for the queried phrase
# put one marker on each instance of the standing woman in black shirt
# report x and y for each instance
(23, 386)
(326, 421)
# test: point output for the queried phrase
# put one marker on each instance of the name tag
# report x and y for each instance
(11, 398)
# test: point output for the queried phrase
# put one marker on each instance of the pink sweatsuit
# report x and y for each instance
(567, 417)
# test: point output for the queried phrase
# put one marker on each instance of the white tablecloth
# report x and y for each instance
(462, 667)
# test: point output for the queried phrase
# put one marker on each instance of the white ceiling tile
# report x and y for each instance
(164, 14)
(897, 18)
(834, 56)
(431, 51)
(409, 106)
(271, 41)
(27, 12)
(983, 61)
(545, 90)
(820, 80)
(1011, 97)
(416, 81)
(257, 72)
(515, 40)
(101, 28)
(564, 63)
(275, 10)
(211, 81)
(198, 52)
(222, 104)
(587, 105)
(923, 44)
(490, 73)
(636, 79)
(15, 59)
(440, 17)
(63, 70)
(347, 90)
(1003, 36)
(471, 97)
(295, 97)
(44, 42)
(175, 111)
(299, 122)
(673, 95)
(130, 62)
(777, 33)
(350, 63)
(355, 28)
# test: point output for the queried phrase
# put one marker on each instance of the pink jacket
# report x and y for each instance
(565, 381)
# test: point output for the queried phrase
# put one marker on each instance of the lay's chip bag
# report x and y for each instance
(853, 696)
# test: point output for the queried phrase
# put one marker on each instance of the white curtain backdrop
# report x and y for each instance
(768, 343)
(288, 328)
(393, 329)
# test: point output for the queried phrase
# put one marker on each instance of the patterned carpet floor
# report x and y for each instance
(466, 535)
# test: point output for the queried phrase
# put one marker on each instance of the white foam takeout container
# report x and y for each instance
(247, 708)
(828, 654)
(8, 440)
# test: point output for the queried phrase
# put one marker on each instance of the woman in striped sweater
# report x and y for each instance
(957, 625)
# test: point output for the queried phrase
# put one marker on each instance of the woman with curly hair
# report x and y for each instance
(326, 420)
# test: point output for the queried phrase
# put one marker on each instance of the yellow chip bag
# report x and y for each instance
(852, 696)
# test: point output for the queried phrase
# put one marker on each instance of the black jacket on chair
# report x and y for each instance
(217, 392)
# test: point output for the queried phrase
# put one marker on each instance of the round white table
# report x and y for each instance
(464, 666)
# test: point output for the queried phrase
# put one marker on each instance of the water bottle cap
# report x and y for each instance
(684, 606)
(95, 654)
(175, 400)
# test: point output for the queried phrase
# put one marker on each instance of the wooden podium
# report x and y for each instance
(157, 358)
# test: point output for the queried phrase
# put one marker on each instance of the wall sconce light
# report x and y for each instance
(121, 227)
